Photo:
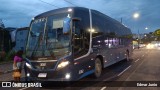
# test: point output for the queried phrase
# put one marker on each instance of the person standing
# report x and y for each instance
(17, 65)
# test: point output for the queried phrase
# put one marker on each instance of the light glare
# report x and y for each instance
(67, 76)
(91, 30)
(146, 28)
(69, 10)
(136, 15)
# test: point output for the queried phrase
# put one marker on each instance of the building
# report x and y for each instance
(5, 40)
(1, 24)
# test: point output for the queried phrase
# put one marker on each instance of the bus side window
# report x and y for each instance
(110, 43)
(120, 41)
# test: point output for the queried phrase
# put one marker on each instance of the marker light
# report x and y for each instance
(33, 18)
(91, 30)
(28, 74)
(67, 76)
(69, 10)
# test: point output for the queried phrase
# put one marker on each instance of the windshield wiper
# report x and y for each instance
(37, 44)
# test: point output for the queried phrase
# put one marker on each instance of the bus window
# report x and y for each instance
(81, 41)
(120, 42)
(115, 41)
(110, 43)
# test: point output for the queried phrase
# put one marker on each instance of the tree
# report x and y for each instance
(157, 34)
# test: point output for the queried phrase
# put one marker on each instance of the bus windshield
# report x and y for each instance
(46, 38)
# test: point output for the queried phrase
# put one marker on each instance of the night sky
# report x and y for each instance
(18, 13)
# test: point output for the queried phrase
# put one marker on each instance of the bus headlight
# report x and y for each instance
(28, 65)
(62, 64)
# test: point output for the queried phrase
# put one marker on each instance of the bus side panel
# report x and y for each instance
(84, 66)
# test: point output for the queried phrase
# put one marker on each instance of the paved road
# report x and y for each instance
(144, 66)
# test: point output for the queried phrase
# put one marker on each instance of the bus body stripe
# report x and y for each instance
(86, 73)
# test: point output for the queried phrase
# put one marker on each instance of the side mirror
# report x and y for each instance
(66, 25)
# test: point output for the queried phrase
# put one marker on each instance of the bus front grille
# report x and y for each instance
(43, 65)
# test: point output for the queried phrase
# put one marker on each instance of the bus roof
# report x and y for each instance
(116, 25)
(59, 10)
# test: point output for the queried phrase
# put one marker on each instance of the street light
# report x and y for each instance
(145, 35)
(136, 16)
(146, 28)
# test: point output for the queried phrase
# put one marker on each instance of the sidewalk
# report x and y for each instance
(9, 77)
(6, 67)
(6, 71)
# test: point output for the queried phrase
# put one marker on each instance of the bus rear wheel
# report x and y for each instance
(98, 68)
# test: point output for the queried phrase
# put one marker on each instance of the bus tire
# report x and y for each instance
(98, 68)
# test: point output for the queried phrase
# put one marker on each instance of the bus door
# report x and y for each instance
(82, 61)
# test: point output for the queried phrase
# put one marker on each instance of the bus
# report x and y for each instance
(67, 44)
(135, 44)
(21, 38)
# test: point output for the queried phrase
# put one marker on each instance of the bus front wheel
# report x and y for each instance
(98, 68)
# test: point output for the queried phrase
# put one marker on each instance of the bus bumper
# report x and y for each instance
(50, 75)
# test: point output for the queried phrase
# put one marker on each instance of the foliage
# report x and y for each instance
(157, 32)
(8, 56)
